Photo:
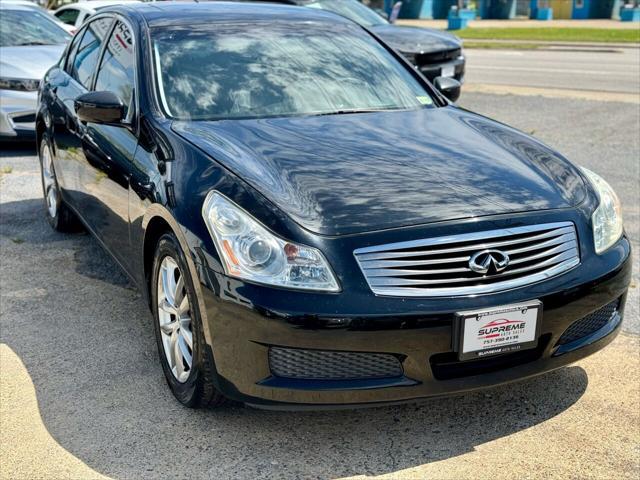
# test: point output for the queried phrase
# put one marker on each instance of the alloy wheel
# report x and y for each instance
(49, 180)
(174, 317)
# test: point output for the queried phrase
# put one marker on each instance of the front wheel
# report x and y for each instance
(186, 360)
(58, 214)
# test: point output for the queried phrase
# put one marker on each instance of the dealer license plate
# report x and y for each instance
(498, 330)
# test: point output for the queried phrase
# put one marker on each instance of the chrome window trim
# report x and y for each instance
(157, 70)
(563, 245)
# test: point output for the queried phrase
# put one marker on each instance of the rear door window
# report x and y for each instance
(87, 55)
(73, 48)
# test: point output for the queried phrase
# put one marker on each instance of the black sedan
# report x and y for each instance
(434, 52)
(311, 222)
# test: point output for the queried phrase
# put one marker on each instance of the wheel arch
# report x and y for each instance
(156, 227)
(158, 221)
(41, 128)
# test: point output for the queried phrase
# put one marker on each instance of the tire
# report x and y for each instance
(171, 286)
(58, 214)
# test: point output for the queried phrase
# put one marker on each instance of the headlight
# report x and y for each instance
(20, 84)
(607, 217)
(249, 251)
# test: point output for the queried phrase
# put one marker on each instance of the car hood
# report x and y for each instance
(345, 174)
(415, 39)
(28, 62)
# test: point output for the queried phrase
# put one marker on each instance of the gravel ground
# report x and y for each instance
(82, 394)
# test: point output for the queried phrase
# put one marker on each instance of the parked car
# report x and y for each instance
(75, 14)
(313, 223)
(434, 52)
(40, 9)
(29, 3)
(30, 42)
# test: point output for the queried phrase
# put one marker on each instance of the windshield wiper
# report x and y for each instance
(29, 44)
(347, 112)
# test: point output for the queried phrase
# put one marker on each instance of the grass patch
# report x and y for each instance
(6, 169)
(553, 34)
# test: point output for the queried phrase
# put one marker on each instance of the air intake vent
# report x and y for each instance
(589, 324)
(24, 118)
(452, 265)
(332, 365)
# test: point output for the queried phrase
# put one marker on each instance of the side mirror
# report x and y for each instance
(449, 87)
(99, 107)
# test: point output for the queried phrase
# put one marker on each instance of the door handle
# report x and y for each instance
(143, 190)
(72, 126)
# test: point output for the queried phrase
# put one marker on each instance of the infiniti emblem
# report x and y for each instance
(488, 260)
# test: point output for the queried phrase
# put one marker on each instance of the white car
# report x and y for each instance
(36, 4)
(31, 41)
(75, 14)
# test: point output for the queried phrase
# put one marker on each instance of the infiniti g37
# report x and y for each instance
(311, 221)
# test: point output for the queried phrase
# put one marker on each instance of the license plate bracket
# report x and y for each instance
(494, 331)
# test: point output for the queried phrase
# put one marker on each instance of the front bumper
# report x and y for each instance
(17, 115)
(431, 71)
(243, 321)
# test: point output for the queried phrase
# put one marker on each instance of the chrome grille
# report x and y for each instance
(430, 58)
(437, 267)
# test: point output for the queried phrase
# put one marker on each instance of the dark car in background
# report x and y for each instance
(434, 52)
(311, 222)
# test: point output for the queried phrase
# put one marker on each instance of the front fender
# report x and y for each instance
(188, 243)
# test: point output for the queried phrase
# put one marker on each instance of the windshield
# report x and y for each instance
(352, 9)
(264, 70)
(29, 27)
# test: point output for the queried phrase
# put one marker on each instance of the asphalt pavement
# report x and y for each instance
(82, 394)
(602, 69)
(520, 22)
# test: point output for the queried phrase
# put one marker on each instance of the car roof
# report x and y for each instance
(19, 5)
(90, 6)
(74, 6)
(25, 3)
(181, 13)
(289, 2)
